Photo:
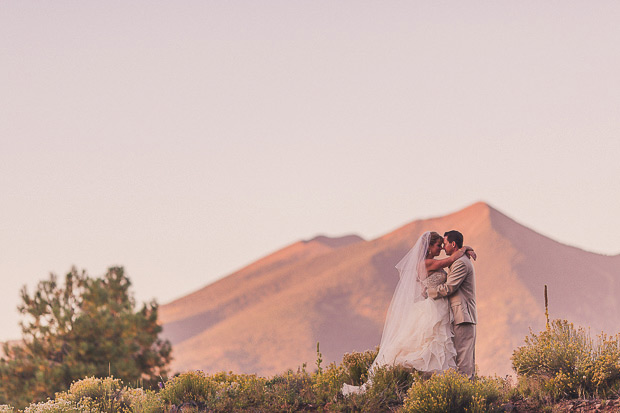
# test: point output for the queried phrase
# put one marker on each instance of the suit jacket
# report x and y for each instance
(460, 288)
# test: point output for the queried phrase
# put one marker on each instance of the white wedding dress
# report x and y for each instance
(417, 332)
(426, 340)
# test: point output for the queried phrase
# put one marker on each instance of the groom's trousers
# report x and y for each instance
(465, 344)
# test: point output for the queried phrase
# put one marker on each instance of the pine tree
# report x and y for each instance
(86, 327)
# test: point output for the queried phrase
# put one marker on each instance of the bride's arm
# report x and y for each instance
(433, 264)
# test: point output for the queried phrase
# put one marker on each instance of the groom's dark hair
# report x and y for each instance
(454, 236)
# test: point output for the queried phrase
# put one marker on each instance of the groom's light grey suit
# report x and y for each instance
(460, 288)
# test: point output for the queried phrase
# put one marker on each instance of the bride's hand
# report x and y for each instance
(469, 251)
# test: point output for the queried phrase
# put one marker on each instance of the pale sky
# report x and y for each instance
(186, 139)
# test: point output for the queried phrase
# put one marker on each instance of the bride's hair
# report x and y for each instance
(434, 238)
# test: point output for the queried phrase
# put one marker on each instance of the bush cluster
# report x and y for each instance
(356, 365)
(237, 392)
(453, 392)
(98, 395)
(565, 362)
(196, 391)
(560, 362)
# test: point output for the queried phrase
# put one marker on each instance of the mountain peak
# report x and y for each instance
(479, 208)
(336, 291)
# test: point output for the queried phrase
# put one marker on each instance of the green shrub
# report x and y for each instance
(193, 387)
(104, 395)
(290, 391)
(328, 384)
(237, 392)
(453, 392)
(54, 406)
(356, 365)
(385, 392)
(109, 395)
(389, 388)
(144, 401)
(564, 362)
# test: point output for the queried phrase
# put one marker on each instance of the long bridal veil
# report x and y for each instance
(409, 291)
(412, 271)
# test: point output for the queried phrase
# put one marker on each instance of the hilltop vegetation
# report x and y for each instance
(86, 348)
(557, 364)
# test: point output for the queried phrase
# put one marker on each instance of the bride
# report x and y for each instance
(417, 331)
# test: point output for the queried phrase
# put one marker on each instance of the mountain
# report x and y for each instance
(268, 317)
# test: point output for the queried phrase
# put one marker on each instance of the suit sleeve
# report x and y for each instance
(454, 281)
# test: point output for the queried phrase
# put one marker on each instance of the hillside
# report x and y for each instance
(269, 316)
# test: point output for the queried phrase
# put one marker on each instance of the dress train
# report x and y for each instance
(424, 343)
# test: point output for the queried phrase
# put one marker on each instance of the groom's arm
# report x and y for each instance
(454, 281)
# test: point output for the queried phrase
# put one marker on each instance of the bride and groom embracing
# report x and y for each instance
(431, 322)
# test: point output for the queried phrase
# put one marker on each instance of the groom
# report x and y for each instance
(460, 288)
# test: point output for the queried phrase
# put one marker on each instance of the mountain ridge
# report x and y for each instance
(268, 316)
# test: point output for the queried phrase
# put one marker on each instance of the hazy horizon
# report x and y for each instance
(185, 140)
